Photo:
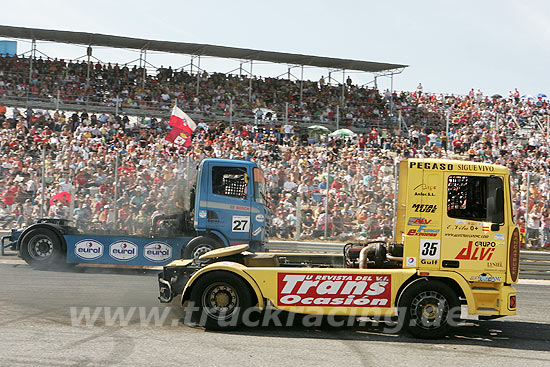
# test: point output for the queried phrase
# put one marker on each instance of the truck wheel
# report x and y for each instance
(221, 298)
(41, 249)
(428, 309)
(198, 246)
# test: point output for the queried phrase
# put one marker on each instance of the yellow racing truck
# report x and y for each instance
(455, 244)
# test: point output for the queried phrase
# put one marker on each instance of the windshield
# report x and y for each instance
(259, 187)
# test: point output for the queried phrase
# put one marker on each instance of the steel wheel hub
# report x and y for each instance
(40, 247)
(429, 309)
(220, 300)
(201, 250)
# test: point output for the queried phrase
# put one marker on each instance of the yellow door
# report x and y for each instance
(474, 232)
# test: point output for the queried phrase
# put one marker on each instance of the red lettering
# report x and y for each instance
(465, 253)
(474, 257)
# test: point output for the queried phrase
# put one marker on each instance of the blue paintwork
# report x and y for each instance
(229, 209)
(230, 226)
(139, 251)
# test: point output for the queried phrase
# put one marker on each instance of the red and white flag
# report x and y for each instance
(180, 120)
(179, 136)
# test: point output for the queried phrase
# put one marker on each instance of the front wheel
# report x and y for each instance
(428, 309)
(199, 246)
(220, 300)
(41, 248)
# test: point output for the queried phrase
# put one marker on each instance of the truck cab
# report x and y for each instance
(222, 203)
(231, 203)
(457, 216)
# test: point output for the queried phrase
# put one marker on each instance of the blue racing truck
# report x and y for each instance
(226, 205)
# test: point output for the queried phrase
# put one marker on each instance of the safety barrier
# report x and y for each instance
(533, 264)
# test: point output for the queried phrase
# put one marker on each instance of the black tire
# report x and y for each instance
(41, 249)
(220, 300)
(198, 246)
(427, 309)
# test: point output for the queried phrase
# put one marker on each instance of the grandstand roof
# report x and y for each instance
(96, 39)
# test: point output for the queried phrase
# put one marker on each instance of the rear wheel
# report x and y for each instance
(41, 248)
(428, 309)
(220, 299)
(199, 246)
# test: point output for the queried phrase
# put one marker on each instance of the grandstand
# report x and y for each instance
(187, 85)
(77, 151)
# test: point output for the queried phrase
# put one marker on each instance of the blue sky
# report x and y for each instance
(450, 46)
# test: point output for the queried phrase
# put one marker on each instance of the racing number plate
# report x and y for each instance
(240, 223)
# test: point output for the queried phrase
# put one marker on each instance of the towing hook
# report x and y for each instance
(165, 291)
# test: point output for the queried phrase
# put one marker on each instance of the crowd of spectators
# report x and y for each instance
(357, 172)
(134, 87)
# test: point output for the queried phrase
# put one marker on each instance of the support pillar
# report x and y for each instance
(301, 85)
(198, 76)
(31, 61)
(250, 84)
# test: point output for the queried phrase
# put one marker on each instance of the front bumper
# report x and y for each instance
(172, 280)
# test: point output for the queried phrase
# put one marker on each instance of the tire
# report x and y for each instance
(427, 309)
(220, 299)
(198, 246)
(41, 249)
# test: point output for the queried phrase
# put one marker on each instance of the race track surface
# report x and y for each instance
(37, 329)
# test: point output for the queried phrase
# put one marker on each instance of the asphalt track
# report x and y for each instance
(36, 329)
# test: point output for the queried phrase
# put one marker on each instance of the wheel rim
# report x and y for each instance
(429, 310)
(201, 250)
(40, 247)
(220, 300)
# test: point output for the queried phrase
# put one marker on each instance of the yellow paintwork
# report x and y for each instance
(478, 256)
(180, 262)
(231, 267)
(224, 251)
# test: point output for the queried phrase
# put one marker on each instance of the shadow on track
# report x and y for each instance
(495, 334)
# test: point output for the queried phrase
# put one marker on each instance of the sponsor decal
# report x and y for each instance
(451, 167)
(429, 249)
(334, 290)
(499, 236)
(513, 256)
(423, 231)
(256, 231)
(240, 223)
(485, 278)
(494, 264)
(411, 262)
(462, 227)
(413, 221)
(240, 207)
(483, 250)
(424, 208)
(460, 221)
(428, 262)
(157, 251)
(88, 249)
(123, 250)
(424, 190)
(260, 218)
(475, 168)
(202, 214)
(431, 165)
(466, 235)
